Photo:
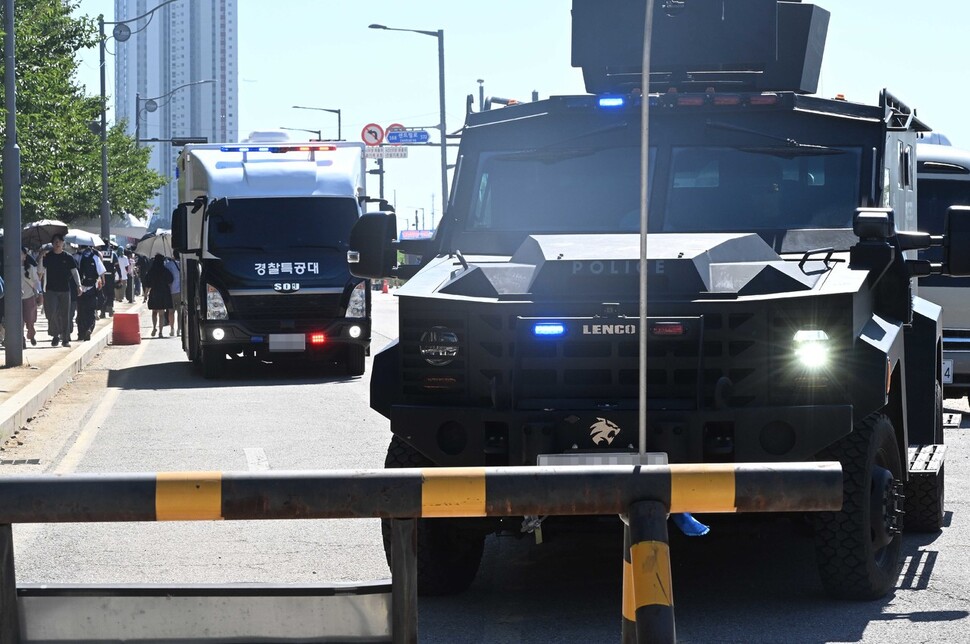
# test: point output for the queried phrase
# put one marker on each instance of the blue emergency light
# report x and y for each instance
(611, 101)
(548, 329)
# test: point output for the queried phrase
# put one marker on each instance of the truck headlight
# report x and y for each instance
(812, 348)
(439, 346)
(215, 306)
(357, 306)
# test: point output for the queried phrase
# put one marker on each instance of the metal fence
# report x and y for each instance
(643, 495)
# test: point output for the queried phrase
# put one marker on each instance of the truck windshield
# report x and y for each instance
(731, 189)
(281, 223)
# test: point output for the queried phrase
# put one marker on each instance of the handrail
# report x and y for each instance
(644, 495)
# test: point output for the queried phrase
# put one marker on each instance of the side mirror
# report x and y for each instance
(956, 241)
(180, 237)
(372, 252)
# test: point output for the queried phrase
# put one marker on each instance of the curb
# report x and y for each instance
(15, 411)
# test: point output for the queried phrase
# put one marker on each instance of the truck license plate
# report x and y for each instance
(604, 458)
(283, 342)
(948, 372)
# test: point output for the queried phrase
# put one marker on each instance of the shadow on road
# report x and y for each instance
(250, 373)
(752, 580)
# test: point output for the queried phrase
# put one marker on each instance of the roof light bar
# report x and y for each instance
(278, 149)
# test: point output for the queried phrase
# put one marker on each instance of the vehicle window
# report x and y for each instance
(561, 191)
(728, 189)
(269, 224)
(933, 197)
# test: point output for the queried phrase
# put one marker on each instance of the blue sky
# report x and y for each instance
(321, 53)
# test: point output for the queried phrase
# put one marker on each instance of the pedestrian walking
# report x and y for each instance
(59, 269)
(176, 288)
(126, 268)
(142, 265)
(31, 294)
(107, 300)
(158, 287)
(92, 271)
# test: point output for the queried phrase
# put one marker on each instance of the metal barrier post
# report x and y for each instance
(648, 600)
(404, 581)
(9, 617)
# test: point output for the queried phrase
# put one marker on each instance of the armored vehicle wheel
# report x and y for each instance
(924, 493)
(449, 551)
(213, 362)
(858, 548)
(355, 360)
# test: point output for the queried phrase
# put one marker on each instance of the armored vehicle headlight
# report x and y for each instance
(812, 348)
(357, 306)
(439, 346)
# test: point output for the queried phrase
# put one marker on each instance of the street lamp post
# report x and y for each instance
(151, 105)
(121, 33)
(300, 129)
(326, 109)
(440, 35)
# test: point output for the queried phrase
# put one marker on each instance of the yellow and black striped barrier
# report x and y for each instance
(643, 494)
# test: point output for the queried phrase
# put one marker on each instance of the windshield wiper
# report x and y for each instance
(790, 143)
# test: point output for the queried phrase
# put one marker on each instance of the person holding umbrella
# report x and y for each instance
(59, 269)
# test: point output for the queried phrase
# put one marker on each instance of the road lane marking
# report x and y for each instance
(256, 459)
(90, 430)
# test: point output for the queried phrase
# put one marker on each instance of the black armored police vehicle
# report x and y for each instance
(782, 319)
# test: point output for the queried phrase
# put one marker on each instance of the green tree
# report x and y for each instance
(58, 126)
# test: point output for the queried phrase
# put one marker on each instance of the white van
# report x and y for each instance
(943, 180)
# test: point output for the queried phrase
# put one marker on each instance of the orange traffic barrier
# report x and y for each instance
(125, 329)
(384, 288)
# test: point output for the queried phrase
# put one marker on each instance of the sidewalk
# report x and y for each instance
(45, 369)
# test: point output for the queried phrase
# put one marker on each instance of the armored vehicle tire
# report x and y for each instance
(213, 362)
(449, 551)
(858, 548)
(355, 360)
(924, 494)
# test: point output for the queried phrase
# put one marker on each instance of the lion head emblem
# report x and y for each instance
(603, 431)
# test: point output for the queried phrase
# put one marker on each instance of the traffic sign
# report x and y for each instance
(385, 152)
(372, 134)
(394, 127)
(408, 136)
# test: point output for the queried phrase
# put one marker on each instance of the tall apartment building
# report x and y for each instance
(180, 44)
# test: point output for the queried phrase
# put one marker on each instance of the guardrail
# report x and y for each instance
(644, 495)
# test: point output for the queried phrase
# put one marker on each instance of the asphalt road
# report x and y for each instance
(143, 409)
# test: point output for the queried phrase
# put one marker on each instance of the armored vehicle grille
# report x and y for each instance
(682, 370)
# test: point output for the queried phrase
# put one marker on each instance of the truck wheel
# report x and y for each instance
(213, 362)
(924, 494)
(355, 360)
(191, 333)
(857, 549)
(449, 551)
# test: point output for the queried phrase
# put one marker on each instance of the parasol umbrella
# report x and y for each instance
(83, 238)
(38, 233)
(159, 242)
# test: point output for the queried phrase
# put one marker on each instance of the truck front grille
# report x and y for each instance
(285, 306)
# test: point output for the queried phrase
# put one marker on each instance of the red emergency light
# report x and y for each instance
(317, 338)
